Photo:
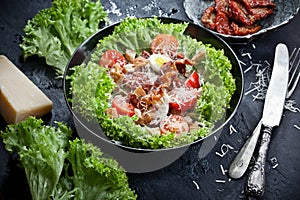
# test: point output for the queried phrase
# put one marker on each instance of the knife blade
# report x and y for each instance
(272, 112)
(277, 89)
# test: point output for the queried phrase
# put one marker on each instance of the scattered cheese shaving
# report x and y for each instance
(247, 54)
(224, 150)
(196, 184)
(297, 127)
(223, 170)
(242, 63)
(261, 85)
(274, 162)
(232, 129)
(290, 105)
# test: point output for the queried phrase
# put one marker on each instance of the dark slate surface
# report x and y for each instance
(191, 176)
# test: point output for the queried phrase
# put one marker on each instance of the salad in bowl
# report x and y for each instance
(150, 85)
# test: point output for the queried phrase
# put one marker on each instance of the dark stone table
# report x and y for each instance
(192, 176)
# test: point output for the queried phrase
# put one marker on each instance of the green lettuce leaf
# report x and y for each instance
(61, 169)
(55, 33)
(96, 176)
(42, 151)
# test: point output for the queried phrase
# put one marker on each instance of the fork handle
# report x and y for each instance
(256, 180)
(241, 162)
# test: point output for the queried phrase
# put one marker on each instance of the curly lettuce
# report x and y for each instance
(55, 33)
(59, 168)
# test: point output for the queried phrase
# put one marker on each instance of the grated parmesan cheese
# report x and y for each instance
(220, 181)
(223, 170)
(196, 184)
(263, 78)
(248, 55)
(290, 105)
(232, 129)
(224, 150)
(297, 127)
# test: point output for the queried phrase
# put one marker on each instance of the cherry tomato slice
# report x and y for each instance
(122, 106)
(193, 81)
(183, 99)
(174, 124)
(165, 44)
(111, 57)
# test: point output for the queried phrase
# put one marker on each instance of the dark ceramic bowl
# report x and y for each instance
(283, 13)
(144, 159)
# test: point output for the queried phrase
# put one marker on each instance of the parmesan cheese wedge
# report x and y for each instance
(19, 96)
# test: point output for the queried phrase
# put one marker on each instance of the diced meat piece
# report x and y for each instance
(180, 65)
(208, 18)
(166, 79)
(129, 68)
(139, 92)
(140, 61)
(130, 55)
(244, 30)
(116, 73)
(179, 56)
(145, 54)
(258, 3)
(168, 67)
(144, 119)
(132, 99)
(144, 103)
(112, 112)
(223, 24)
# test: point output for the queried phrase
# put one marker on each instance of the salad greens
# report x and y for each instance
(59, 168)
(89, 98)
(56, 32)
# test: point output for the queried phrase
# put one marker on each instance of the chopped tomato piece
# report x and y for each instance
(183, 99)
(164, 44)
(193, 81)
(174, 124)
(111, 57)
(122, 106)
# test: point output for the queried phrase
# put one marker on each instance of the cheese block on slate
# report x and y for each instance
(19, 96)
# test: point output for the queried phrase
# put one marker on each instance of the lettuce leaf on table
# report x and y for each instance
(55, 33)
(42, 152)
(59, 168)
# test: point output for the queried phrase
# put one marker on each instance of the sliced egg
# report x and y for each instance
(157, 60)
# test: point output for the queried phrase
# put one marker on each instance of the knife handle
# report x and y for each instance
(256, 180)
(241, 162)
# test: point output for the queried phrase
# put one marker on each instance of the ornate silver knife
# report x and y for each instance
(272, 112)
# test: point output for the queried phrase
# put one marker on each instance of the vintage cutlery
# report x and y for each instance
(272, 112)
(240, 163)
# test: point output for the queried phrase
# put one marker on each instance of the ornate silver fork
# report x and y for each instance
(240, 163)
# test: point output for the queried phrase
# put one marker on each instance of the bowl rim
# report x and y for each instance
(71, 63)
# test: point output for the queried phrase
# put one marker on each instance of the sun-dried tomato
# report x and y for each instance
(236, 17)
(208, 18)
(258, 3)
(244, 30)
(223, 24)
